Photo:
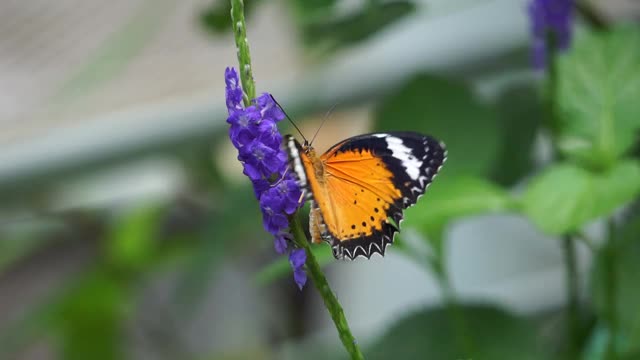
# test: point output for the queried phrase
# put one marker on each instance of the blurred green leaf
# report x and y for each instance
(281, 268)
(448, 111)
(91, 317)
(480, 332)
(565, 197)
(626, 262)
(132, 242)
(330, 33)
(520, 114)
(452, 199)
(597, 97)
(215, 18)
(309, 11)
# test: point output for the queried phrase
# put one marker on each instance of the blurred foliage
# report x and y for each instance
(460, 332)
(520, 112)
(565, 197)
(321, 25)
(215, 17)
(89, 319)
(597, 97)
(455, 199)
(332, 33)
(625, 253)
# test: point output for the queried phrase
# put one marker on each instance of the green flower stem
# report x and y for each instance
(320, 282)
(242, 46)
(611, 301)
(463, 338)
(573, 316)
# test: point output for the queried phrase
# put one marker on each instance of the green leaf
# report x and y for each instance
(309, 11)
(330, 33)
(281, 268)
(215, 18)
(520, 113)
(625, 259)
(91, 317)
(452, 199)
(132, 241)
(448, 111)
(474, 332)
(597, 97)
(565, 197)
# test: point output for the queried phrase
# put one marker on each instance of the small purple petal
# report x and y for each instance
(297, 258)
(280, 243)
(268, 108)
(290, 193)
(260, 186)
(300, 277)
(275, 223)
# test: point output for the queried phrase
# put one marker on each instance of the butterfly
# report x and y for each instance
(359, 188)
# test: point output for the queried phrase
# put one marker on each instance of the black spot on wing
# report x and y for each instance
(365, 246)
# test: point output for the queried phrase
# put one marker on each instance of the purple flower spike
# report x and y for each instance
(549, 19)
(233, 90)
(297, 259)
(254, 132)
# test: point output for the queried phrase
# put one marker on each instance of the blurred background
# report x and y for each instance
(127, 230)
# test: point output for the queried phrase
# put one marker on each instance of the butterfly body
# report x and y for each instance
(360, 187)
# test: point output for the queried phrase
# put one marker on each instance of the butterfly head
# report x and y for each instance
(308, 149)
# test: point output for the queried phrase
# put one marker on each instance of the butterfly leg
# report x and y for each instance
(302, 198)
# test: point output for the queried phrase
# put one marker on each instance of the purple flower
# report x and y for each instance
(265, 159)
(551, 20)
(254, 132)
(280, 242)
(273, 215)
(243, 123)
(297, 258)
(233, 90)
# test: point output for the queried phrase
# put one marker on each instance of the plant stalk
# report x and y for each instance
(320, 282)
(463, 338)
(242, 46)
(611, 311)
(573, 305)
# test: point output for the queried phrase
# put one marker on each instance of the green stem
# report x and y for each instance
(242, 46)
(330, 300)
(463, 338)
(610, 295)
(573, 309)
(587, 241)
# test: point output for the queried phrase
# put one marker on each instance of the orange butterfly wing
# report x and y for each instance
(362, 182)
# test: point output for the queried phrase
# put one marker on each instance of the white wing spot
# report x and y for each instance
(399, 151)
(297, 163)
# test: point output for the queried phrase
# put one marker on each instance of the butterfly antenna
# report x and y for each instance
(288, 118)
(326, 116)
